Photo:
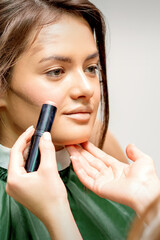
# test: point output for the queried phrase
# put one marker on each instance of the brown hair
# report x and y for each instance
(19, 17)
(147, 226)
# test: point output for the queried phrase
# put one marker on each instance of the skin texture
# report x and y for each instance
(60, 66)
(135, 185)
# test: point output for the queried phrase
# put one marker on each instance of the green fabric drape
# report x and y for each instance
(97, 218)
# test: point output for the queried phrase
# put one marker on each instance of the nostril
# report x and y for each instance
(82, 86)
(81, 93)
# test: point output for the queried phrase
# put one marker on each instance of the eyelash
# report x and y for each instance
(93, 70)
(97, 71)
(58, 69)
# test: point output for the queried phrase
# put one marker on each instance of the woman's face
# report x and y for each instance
(60, 66)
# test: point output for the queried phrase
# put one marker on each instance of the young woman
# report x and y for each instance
(54, 50)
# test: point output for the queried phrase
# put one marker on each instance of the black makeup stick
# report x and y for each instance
(44, 124)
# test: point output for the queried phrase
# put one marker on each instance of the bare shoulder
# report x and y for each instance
(111, 145)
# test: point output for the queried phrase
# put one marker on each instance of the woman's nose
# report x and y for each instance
(82, 86)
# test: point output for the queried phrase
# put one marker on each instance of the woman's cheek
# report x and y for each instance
(46, 94)
(65, 132)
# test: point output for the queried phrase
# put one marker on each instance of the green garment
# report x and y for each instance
(97, 218)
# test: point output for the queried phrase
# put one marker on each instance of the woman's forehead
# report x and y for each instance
(71, 34)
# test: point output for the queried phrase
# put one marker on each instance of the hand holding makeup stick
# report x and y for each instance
(42, 191)
(135, 185)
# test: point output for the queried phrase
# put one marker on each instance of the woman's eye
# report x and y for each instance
(93, 69)
(57, 72)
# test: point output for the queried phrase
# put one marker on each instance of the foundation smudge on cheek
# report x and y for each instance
(34, 100)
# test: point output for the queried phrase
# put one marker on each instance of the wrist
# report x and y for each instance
(54, 209)
(60, 222)
(145, 194)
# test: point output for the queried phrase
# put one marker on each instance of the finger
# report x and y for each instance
(86, 180)
(91, 171)
(108, 160)
(98, 153)
(24, 138)
(93, 149)
(16, 156)
(134, 153)
(47, 151)
(25, 153)
(95, 185)
(93, 161)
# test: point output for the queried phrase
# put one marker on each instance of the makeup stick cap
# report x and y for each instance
(46, 118)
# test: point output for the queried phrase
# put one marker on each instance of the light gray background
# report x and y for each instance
(133, 55)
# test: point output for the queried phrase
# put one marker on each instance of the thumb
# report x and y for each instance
(133, 153)
(47, 151)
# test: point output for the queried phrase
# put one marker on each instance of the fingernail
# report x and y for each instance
(29, 129)
(73, 158)
(47, 136)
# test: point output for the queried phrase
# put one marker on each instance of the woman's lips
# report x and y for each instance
(80, 113)
(80, 116)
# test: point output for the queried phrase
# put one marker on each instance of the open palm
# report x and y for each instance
(112, 179)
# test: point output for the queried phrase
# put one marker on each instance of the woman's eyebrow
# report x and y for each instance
(57, 58)
(91, 56)
(67, 59)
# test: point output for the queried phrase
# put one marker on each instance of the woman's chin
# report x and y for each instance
(59, 145)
